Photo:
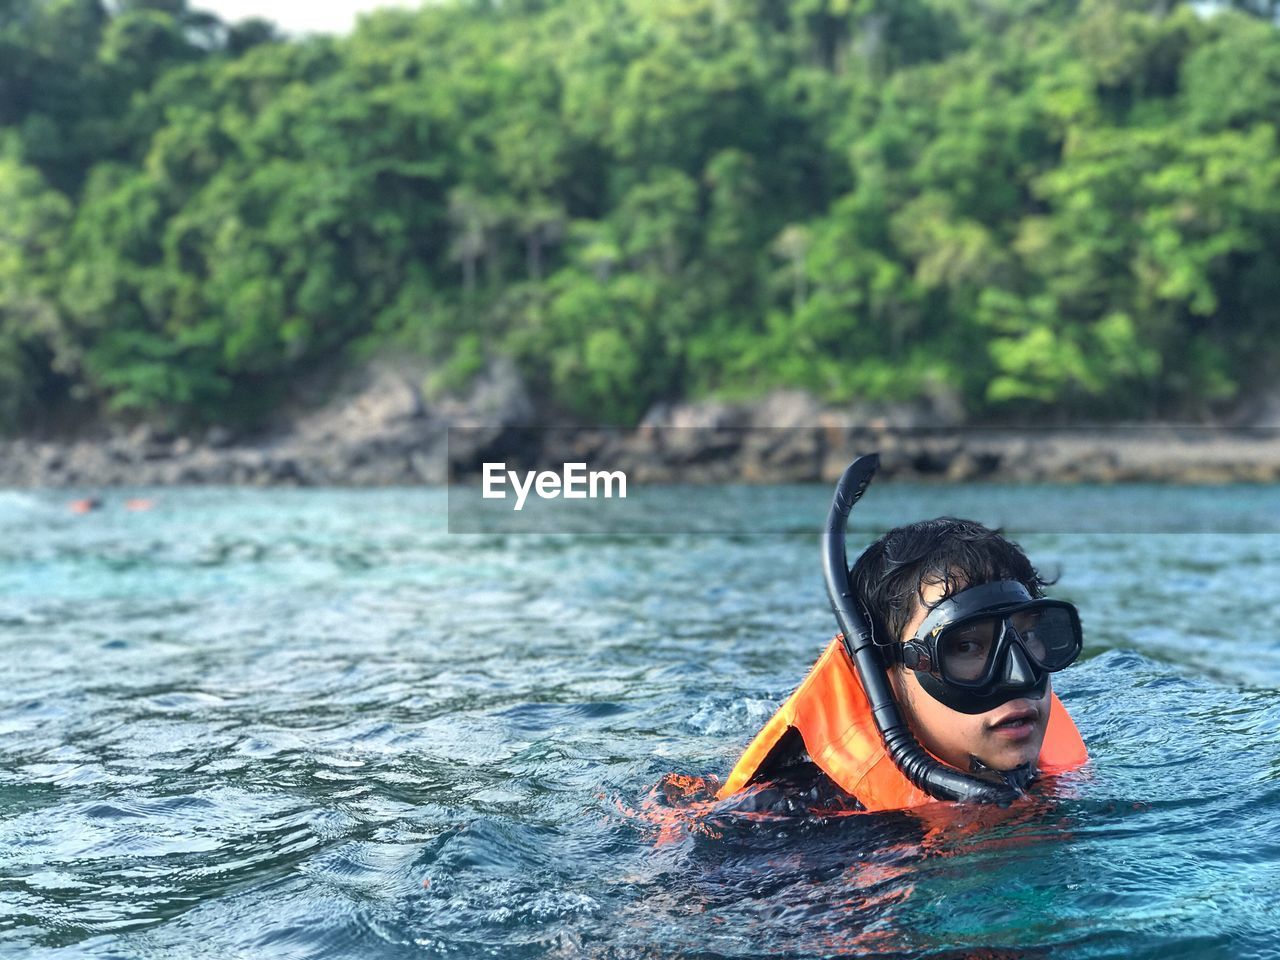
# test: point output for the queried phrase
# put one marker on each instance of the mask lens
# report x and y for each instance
(1049, 635)
(966, 649)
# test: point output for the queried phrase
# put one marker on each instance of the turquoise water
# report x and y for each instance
(317, 724)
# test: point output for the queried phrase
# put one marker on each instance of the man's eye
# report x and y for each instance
(1032, 639)
(969, 646)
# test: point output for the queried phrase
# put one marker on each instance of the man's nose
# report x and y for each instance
(1017, 671)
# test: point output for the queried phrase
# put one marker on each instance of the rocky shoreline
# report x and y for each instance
(383, 432)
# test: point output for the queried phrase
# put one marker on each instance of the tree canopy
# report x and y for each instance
(1031, 206)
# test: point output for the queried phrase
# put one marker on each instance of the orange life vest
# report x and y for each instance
(831, 713)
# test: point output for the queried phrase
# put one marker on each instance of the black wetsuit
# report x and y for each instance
(789, 783)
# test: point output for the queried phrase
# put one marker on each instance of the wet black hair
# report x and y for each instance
(889, 577)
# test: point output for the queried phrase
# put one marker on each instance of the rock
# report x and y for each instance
(944, 406)
(1259, 409)
(208, 466)
(934, 455)
(783, 455)
(283, 469)
(381, 399)
(141, 436)
(786, 408)
(428, 466)
(389, 400)
(497, 397)
(702, 415)
(688, 435)
(963, 466)
(218, 438)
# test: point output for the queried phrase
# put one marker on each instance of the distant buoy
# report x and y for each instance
(139, 503)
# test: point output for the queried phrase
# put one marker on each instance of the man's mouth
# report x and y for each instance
(1016, 724)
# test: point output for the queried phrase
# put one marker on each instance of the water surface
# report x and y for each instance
(316, 723)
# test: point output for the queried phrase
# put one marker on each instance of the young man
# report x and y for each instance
(967, 640)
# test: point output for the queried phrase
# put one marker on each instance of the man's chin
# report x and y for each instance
(1008, 757)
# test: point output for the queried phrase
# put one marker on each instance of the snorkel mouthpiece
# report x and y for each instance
(917, 765)
(1017, 779)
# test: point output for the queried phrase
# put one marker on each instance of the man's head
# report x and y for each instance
(899, 580)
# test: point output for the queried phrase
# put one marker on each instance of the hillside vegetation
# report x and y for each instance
(1025, 205)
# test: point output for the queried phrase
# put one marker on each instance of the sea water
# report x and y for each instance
(319, 724)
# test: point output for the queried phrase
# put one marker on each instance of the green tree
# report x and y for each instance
(31, 328)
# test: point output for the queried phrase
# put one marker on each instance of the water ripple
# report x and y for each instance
(314, 724)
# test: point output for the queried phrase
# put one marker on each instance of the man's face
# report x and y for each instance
(1003, 738)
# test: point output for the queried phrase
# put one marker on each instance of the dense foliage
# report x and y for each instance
(1024, 205)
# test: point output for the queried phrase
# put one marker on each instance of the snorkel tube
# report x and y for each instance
(936, 779)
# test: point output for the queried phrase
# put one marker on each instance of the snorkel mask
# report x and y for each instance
(975, 651)
(990, 644)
